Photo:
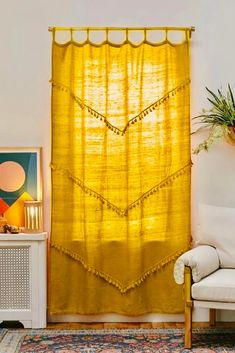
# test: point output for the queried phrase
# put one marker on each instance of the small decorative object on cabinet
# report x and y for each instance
(23, 279)
(220, 119)
(3, 223)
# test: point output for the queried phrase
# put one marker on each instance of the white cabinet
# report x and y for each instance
(23, 278)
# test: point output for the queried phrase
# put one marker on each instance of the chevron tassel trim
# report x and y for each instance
(120, 211)
(94, 113)
(123, 288)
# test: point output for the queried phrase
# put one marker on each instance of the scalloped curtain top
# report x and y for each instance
(118, 37)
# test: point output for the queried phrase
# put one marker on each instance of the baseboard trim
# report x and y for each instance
(117, 318)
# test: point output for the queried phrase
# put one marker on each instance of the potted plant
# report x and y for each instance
(220, 119)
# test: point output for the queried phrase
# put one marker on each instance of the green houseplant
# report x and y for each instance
(220, 119)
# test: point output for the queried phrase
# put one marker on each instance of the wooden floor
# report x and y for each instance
(119, 325)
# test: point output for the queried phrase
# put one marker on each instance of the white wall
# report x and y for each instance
(25, 64)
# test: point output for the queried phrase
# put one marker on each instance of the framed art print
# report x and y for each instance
(20, 180)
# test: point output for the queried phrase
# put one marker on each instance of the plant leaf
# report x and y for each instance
(231, 95)
(213, 94)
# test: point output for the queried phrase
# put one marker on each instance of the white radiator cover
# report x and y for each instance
(23, 279)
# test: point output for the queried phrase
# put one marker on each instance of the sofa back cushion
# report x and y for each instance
(217, 228)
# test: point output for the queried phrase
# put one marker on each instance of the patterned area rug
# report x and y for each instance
(115, 341)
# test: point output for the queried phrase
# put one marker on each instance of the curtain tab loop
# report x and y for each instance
(107, 34)
(88, 34)
(71, 34)
(145, 35)
(127, 35)
(53, 34)
(188, 34)
(166, 34)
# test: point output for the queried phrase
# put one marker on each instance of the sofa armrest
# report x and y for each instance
(203, 260)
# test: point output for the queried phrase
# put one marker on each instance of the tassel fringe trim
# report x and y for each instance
(122, 212)
(133, 120)
(120, 286)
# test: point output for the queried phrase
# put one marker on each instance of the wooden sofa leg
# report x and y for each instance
(188, 308)
(212, 317)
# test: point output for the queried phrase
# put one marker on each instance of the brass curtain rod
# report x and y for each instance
(191, 29)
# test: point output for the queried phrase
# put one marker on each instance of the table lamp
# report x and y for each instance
(33, 216)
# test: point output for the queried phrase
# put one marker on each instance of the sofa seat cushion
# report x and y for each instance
(219, 286)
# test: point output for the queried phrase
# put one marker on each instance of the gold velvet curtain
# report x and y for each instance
(120, 175)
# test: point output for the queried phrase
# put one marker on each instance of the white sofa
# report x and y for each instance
(208, 270)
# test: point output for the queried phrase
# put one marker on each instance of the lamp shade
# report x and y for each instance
(33, 216)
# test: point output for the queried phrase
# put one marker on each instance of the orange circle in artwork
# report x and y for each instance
(12, 176)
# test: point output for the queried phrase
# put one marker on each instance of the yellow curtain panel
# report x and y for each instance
(120, 176)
